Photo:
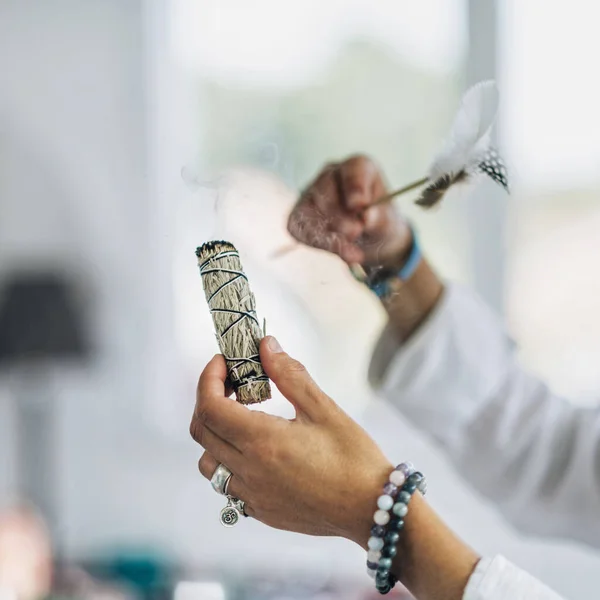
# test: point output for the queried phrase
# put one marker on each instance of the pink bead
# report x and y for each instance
(397, 478)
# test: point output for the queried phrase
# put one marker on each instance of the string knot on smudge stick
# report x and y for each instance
(233, 309)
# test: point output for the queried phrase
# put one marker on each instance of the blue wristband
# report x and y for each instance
(382, 288)
(413, 260)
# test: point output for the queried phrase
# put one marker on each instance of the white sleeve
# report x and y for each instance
(533, 453)
(498, 579)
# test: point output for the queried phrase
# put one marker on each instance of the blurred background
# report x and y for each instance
(133, 131)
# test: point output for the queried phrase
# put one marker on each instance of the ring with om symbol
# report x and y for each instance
(230, 515)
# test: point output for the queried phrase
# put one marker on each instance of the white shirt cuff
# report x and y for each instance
(498, 579)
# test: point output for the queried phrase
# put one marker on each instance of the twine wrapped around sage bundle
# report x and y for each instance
(233, 309)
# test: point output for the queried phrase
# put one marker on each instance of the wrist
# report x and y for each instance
(423, 554)
(414, 301)
(432, 562)
(400, 266)
(391, 251)
(389, 521)
(364, 504)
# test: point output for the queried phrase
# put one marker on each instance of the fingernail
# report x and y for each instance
(274, 345)
(354, 199)
(371, 217)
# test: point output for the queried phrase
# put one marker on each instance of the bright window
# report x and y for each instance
(552, 94)
(282, 88)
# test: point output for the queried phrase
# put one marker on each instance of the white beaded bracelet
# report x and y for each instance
(390, 504)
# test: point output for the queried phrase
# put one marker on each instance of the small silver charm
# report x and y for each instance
(230, 515)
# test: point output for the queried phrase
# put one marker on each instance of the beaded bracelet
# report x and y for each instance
(384, 579)
(397, 493)
(381, 281)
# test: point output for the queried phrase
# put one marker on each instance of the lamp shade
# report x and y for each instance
(40, 319)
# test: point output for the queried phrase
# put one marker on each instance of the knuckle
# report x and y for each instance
(295, 222)
(199, 422)
(330, 167)
(204, 467)
(196, 431)
(203, 416)
(305, 220)
(311, 391)
(295, 366)
(357, 160)
(357, 169)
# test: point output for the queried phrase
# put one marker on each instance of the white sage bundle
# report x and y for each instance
(233, 309)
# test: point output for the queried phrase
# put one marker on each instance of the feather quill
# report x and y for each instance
(467, 150)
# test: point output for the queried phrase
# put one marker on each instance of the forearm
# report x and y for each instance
(432, 562)
(435, 565)
(413, 300)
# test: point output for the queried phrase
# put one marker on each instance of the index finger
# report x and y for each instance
(358, 175)
(213, 379)
(225, 417)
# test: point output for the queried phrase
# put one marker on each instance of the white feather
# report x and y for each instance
(469, 137)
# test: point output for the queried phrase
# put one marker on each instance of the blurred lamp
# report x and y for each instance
(40, 320)
(41, 326)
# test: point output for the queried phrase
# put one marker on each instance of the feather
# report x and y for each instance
(493, 166)
(467, 149)
(436, 190)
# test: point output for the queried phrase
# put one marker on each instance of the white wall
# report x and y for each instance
(81, 127)
(75, 191)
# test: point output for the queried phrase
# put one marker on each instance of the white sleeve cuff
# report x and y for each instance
(498, 579)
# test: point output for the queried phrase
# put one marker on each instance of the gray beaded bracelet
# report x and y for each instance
(389, 520)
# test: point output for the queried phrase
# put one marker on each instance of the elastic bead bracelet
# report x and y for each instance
(384, 579)
(389, 520)
(383, 516)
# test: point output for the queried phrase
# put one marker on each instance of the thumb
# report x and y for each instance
(291, 378)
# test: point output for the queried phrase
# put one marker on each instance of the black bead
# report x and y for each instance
(396, 525)
(388, 551)
(378, 531)
(392, 537)
(409, 487)
(372, 565)
(415, 478)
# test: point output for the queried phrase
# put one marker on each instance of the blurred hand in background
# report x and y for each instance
(338, 212)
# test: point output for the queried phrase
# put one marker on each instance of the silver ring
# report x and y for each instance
(220, 479)
(226, 485)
